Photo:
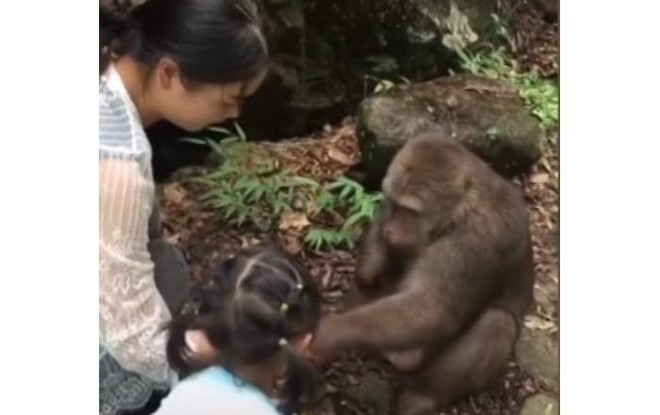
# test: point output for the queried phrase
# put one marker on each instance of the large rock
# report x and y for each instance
(540, 404)
(538, 354)
(326, 53)
(486, 115)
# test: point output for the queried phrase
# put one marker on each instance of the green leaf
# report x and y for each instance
(220, 130)
(240, 132)
(215, 146)
(192, 140)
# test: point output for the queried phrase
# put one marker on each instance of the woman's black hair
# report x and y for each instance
(254, 303)
(212, 41)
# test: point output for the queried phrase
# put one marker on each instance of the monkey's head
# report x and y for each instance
(425, 187)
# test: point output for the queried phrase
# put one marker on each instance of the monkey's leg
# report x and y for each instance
(467, 365)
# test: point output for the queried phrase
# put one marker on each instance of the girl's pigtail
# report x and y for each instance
(178, 351)
(298, 390)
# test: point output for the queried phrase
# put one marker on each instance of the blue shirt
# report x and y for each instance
(214, 391)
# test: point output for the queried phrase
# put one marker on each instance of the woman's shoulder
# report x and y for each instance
(215, 391)
(120, 131)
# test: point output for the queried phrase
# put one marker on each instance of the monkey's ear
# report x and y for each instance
(386, 184)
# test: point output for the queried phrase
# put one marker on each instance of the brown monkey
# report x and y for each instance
(445, 275)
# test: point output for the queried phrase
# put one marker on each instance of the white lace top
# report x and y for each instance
(131, 310)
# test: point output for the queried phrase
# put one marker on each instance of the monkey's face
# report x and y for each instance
(402, 229)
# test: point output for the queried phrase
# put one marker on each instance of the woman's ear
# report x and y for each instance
(167, 71)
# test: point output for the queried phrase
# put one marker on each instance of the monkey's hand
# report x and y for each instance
(322, 348)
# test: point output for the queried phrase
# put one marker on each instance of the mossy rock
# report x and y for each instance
(486, 115)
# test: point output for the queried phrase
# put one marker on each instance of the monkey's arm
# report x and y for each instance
(399, 321)
(436, 301)
(372, 259)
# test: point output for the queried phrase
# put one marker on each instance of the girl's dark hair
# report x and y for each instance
(212, 41)
(254, 303)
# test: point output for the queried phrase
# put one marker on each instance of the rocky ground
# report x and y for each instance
(362, 385)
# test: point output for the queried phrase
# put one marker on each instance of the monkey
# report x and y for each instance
(444, 276)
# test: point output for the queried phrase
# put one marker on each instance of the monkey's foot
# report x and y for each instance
(412, 403)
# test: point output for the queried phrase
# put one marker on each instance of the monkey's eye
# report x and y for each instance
(404, 212)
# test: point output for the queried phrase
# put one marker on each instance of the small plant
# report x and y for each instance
(349, 199)
(541, 96)
(317, 238)
(257, 197)
(248, 188)
(251, 189)
(381, 84)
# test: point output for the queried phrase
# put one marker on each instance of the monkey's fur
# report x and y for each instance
(444, 276)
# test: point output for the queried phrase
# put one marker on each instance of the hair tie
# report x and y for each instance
(299, 287)
(282, 342)
(284, 307)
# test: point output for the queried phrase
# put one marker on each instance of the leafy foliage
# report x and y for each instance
(540, 95)
(349, 199)
(252, 190)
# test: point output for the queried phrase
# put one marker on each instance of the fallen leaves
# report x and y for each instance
(174, 193)
(293, 220)
(540, 178)
(340, 156)
(534, 322)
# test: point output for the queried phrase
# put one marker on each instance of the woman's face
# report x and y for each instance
(201, 106)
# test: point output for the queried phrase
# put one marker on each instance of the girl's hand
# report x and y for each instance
(202, 351)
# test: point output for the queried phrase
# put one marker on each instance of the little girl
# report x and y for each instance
(258, 313)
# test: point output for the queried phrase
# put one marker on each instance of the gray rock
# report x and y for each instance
(537, 353)
(486, 115)
(540, 405)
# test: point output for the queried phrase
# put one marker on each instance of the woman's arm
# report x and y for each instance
(132, 311)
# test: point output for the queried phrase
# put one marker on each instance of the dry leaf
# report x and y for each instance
(293, 220)
(291, 243)
(537, 323)
(539, 178)
(340, 156)
(174, 193)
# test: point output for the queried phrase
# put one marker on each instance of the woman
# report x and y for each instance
(192, 63)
